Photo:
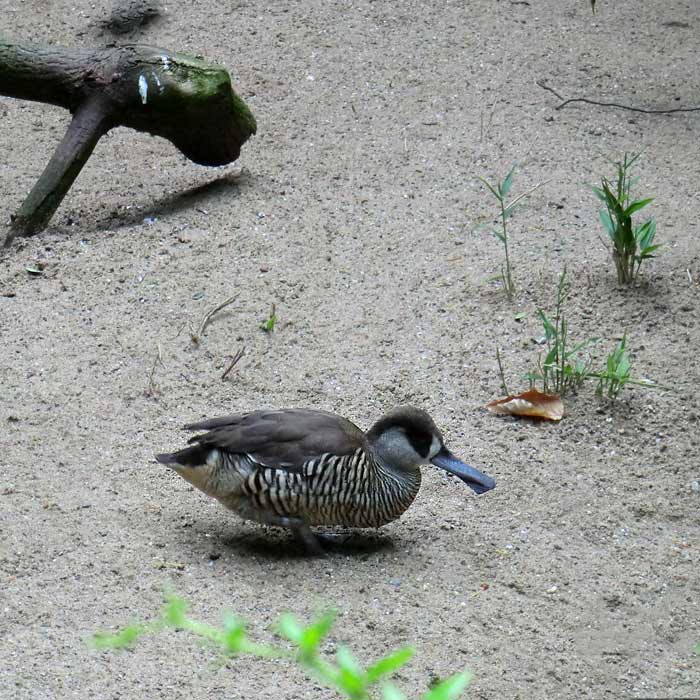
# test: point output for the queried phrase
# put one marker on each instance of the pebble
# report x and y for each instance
(695, 486)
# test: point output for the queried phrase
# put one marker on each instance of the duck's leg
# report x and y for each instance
(302, 532)
(311, 543)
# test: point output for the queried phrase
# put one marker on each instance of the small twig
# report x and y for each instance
(500, 79)
(179, 331)
(236, 359)
(196, 337)
(152, 388)
(544, 86)
(528, 193)
(598, 103)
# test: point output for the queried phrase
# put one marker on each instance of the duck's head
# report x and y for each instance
(407, 438)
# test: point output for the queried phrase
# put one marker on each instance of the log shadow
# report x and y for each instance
(200, 196)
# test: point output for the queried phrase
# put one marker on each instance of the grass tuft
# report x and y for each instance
(562, 371)
(631, 244)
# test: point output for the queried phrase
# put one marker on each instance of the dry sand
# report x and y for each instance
(356, 211)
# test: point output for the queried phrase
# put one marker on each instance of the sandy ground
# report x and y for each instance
(355, 210)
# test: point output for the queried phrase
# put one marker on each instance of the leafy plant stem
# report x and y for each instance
(508, 277)
(500, 191)
(561, 371)
(501, 372)
(345, 675)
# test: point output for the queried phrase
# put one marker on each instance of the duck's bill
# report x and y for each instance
(476, 480)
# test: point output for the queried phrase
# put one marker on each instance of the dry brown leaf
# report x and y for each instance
(532, 403)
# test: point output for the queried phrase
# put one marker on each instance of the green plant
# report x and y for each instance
(268, 325)
(345, 675)
(561, 371)
(617, 371)
(631, 245)
(500, 191)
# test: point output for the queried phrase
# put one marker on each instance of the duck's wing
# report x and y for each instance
(280, 439)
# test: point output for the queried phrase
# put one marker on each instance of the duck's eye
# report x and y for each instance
(421, 442)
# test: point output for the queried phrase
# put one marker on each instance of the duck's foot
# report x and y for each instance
(312, 544)
(301, 531)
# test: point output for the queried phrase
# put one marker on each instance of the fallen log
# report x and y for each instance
(179, 97)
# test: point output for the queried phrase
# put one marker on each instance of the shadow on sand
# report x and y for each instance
(278, 545)
(197, 197)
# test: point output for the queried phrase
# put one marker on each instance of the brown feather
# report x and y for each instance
(281, 439)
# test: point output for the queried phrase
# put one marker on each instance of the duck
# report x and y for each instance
(298, 468)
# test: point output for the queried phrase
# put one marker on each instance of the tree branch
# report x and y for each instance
(90, 121)
(566, 102)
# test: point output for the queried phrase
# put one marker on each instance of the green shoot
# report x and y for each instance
(561, 371)
(617, 371)
(449, 689)
(631, 245)
(500, 191)
(125, 638)
(345, 675)
(268, 325)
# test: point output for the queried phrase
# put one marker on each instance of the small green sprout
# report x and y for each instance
(500, 191)
(268, 325)
(123, 639)
(562, 370)
(450, 688)
(617, 371)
